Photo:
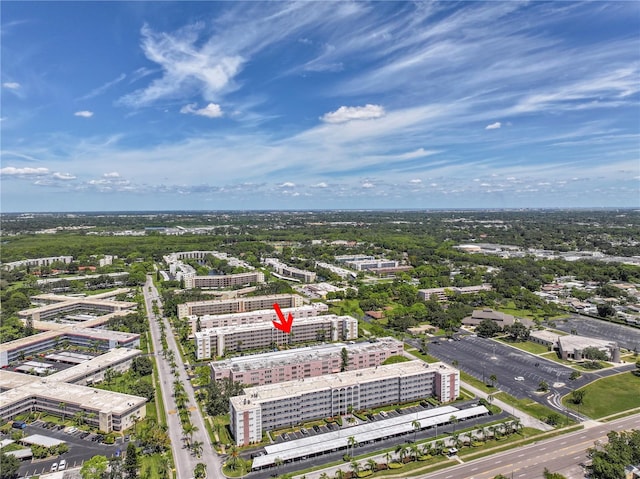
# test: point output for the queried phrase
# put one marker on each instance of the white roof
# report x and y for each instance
(41, 440)
(365, 432)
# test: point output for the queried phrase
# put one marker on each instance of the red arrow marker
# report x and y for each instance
(284, 324)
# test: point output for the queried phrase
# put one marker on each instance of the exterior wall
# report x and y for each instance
(362, 392)
(38, 262)
(295, 367)
(215, 342)
(262, 315)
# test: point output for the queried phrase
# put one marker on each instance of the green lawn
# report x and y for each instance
(150, 466)
(530, 407)
(395, 359)
(425, 357)
(528, 346)
(608, 396)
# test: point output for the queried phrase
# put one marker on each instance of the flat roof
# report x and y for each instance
(581, 342)
(113, 357)
(258, 394)
(267, 323)
(41, 440)
(301, 355)
(369, 431)
(56, 391)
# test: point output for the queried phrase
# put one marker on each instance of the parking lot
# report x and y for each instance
(82, 446)
(626, 336)
(482, 358)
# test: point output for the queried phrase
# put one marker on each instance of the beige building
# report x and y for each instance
(261, 315)
(216, 342)
(292, 272)
(238, 305)
(223, 281)
(442, 294)
(66, 394)
(268, 407)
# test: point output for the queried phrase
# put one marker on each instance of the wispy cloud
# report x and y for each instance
(84, 114)
(493, 126)
(11, 85)
(103, 88)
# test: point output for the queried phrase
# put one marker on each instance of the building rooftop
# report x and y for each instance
(301, 355)
(582, 342)
(114, 356)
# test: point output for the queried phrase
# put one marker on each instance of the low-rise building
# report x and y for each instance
(268, 407)
(292, 364)
(215, 342)
(290, 271)
(442, 294)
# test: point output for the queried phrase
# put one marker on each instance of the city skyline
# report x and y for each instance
(117, 106)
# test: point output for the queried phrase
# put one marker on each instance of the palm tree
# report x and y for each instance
(439, 446)
(373, 465)
(324, 475)
(401, 451)
(416, 427)
(196, 448)
(200, 471)
(453, 420)
(427, 449)
(387, 458)
(413, 451)
(62, 406)
(351, 443)
(493, 378)
(355, 467)
(339, 474)
(278, 462)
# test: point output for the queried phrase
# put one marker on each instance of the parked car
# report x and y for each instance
(54, 467)
(62, 465)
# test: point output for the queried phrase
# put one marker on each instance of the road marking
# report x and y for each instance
(521, 455)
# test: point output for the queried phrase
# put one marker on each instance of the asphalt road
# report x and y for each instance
(184, 461)
(558, 454)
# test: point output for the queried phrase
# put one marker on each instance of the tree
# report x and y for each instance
(577, 396)
(594, 354)
(637, 371)
(142, 366)
(131, 462)
(355, 467)
(493, 378)
(94, 468)
(517, 331)
(609, 460)
(552, 475)
(344, 355)
(9, 466)
(416, 427)
(115, 467)
(62, 406)
(575, 375)
(605, 310)
(488, 328)
(543, 386)
(372, 464)
(351, 444)
(200, 471)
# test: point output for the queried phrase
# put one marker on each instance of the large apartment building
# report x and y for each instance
(37, 262)
(236, 319)
(290, 271)
(217, 341)
(238, 305)
(271, 406)
(441, 294)
(223, 281)
(66, 393)
(292, 364)
(54, 306)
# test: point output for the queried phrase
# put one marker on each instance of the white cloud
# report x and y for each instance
(63, 176)
(84, 113)
(112, 174)
(13, 171)
(322, 184)
(11, 85)
(368, 184)
(287, 184)
(415, 181)
(210, 111)
(347, 113)
(493, 126)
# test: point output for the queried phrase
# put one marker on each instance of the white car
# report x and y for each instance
(519, 378)
(62, 465)
(54, 467)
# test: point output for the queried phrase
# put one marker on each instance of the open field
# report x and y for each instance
(608, 396)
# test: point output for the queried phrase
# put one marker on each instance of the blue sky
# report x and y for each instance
(232, 105)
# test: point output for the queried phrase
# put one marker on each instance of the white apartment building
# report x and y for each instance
(292, 364)
(290, 271)
(38, 262)
(261, 315)
(271, 406)
(222, 281)
(371, 264)
(238, 305)
(217, 341)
